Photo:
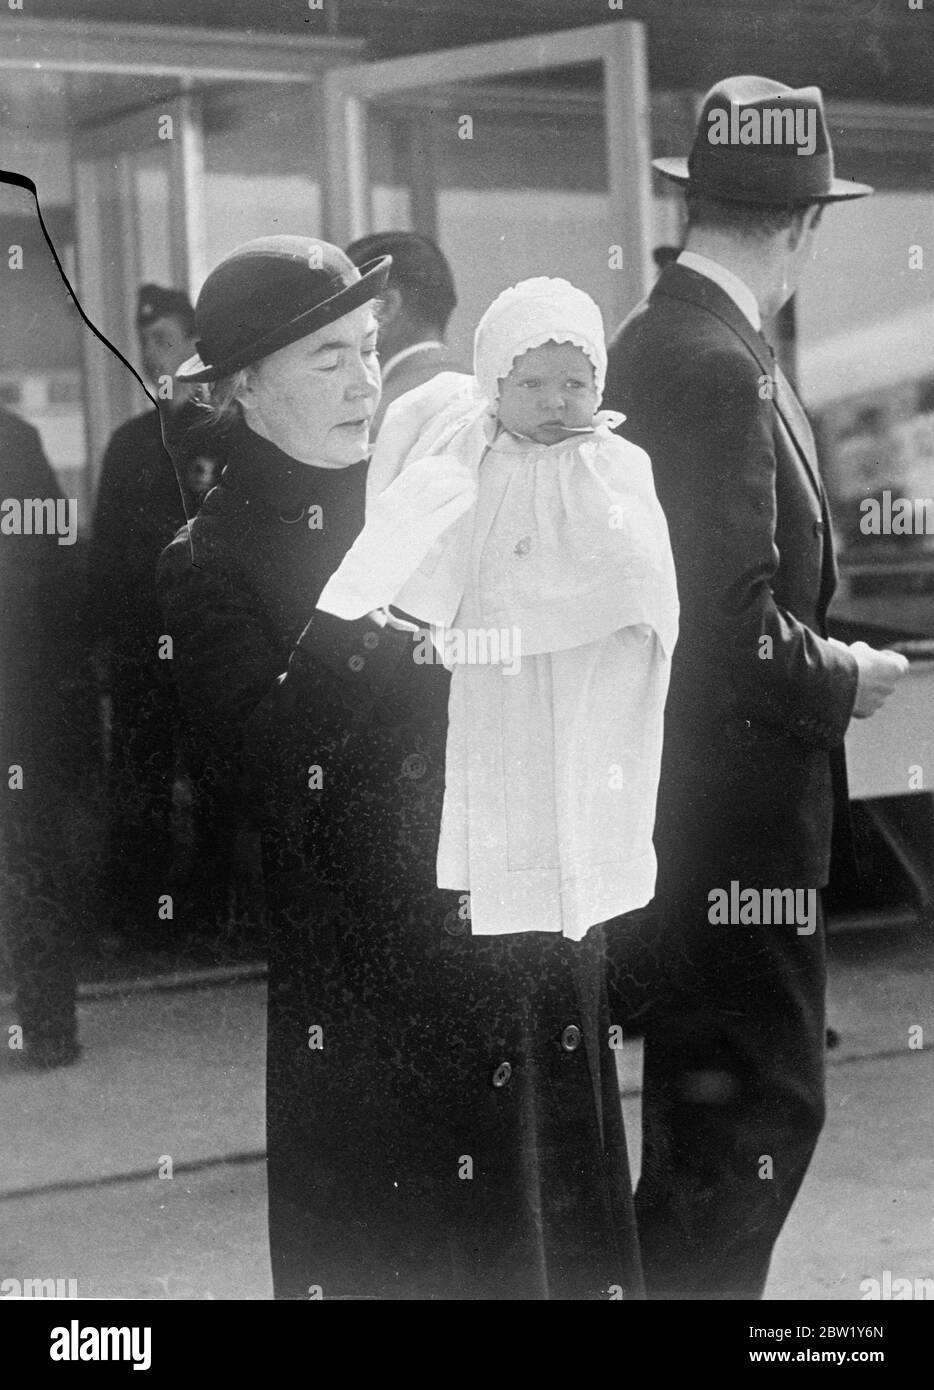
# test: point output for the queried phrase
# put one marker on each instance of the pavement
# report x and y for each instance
(140, 1171)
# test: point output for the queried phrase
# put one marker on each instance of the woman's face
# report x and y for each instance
(315, 398)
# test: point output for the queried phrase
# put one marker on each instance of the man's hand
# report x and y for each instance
(879, 673)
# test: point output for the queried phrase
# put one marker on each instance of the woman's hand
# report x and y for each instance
(386, 618)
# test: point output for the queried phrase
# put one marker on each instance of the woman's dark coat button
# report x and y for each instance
(502, 1074)
(370, 640)
(356, 663)
(414, 766)
(571, 1038)
(455, 924)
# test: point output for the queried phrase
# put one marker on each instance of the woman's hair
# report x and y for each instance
(221, 399)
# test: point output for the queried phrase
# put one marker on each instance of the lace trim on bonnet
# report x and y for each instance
(536, 311)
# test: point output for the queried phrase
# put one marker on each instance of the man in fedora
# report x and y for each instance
(726, 976)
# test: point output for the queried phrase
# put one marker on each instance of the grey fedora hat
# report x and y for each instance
(760, 141)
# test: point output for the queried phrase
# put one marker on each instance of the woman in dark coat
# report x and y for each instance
(443, 1115)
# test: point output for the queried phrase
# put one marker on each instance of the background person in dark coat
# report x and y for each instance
(139, 508)
(413, 313)
(443, 1116)
(753, 768)
(43, 730)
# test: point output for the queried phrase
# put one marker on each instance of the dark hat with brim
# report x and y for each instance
(269, 293)
(759, 141)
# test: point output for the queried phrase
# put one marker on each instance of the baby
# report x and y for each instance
(505, 513)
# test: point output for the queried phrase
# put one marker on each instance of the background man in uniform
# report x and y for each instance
(413, 316)
(753, 770)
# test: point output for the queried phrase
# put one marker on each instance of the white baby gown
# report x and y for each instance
(552, 758)
(559, 554)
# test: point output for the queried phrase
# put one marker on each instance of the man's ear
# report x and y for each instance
(804, 226)
(812, 217)
(389, 306)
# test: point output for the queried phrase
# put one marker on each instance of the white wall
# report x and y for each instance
(865, 320)
(497, 237)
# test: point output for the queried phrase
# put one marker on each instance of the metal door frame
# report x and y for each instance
(620, 50)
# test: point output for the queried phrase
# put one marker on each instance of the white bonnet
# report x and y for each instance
(533, 312)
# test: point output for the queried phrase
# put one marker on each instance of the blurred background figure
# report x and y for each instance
(142, 500)
(44, 699)
(413, 317)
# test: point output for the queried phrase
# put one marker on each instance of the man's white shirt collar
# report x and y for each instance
(740, 293)
(398, 357)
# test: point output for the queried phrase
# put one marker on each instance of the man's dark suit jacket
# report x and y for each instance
(759, 702)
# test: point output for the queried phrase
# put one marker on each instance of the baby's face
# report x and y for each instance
(549, 393)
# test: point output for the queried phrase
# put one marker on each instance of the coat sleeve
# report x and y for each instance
(721, 510)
